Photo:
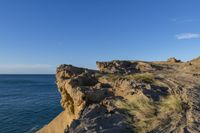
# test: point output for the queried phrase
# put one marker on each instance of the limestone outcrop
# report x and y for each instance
(129, 96)
(173, 60)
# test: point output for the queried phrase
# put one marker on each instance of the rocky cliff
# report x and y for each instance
(129, 96)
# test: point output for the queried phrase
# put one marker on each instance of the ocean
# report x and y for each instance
(27, 102)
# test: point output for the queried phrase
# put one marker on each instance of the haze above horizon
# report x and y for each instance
(38, 35)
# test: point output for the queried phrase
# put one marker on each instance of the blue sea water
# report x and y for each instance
(27, 102)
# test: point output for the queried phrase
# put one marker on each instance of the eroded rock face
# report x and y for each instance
(117, 67)
(129, 96)
(126, 67)
(82, 94)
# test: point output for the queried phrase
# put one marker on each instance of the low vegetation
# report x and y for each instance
(146, 115)
(142, 77)
(112, 77)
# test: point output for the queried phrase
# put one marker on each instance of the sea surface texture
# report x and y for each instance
(27, 102)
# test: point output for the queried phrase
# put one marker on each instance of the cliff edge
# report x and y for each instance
(129, 96)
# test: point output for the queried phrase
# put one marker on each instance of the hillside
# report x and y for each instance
(129, 96)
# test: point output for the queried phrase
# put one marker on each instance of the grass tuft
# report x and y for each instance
(142, 77)
(146, 114)
(112, 77)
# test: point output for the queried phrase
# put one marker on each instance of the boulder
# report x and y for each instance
(173, 60)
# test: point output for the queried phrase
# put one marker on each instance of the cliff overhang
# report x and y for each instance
(129, 96)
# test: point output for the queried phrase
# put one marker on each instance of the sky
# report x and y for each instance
(36, 36)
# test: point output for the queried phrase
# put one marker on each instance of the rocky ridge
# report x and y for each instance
(129, 96)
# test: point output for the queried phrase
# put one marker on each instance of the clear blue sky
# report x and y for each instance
(38, 35)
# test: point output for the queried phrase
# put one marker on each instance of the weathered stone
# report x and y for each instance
(144, 67)
(173, 60)
(93, 103)
(96, 118)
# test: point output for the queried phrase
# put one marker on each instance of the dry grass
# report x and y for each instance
(112, 77)
(142, 77)
(170, 104)
(146, 114)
